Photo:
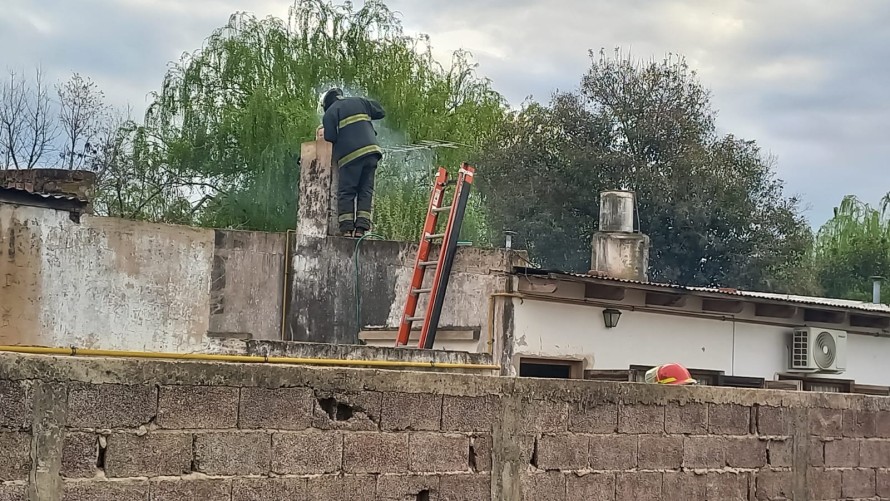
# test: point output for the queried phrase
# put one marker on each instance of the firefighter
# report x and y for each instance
(347, 124)
(674, 374)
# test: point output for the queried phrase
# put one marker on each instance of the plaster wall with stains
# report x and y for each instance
(118, 284)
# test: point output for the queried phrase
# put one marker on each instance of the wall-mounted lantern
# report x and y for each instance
(611, 316)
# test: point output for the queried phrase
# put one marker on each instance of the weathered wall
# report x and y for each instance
(323, 308)
(119, 284)
(247, 282)
(89, 430)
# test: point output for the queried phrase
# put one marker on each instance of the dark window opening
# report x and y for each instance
(557, 371)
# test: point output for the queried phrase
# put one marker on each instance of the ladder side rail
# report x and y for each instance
(446, 257)
(423, 252)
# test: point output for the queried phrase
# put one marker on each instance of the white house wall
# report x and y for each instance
(565, 330)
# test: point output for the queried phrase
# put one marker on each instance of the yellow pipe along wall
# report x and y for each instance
(73, 351)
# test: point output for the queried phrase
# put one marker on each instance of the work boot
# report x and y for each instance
(347, 232)
(358, 233)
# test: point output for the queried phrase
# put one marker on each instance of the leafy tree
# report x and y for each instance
(710, 204)
(231, 116)
(853, 246)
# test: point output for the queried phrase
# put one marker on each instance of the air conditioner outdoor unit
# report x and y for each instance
(814, 349)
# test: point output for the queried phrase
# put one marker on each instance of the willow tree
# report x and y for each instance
(853, 246)
(231, 115)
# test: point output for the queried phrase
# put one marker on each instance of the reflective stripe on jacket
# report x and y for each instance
(347, 124)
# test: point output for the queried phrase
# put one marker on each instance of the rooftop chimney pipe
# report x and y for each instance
(617, 250)
(876, 289)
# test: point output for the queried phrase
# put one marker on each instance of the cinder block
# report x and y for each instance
(543, 416)
(438, 452)
(728, 486)
(728, 419)
(745, 452)
(883, 483)
(685, 485)
(780, 453)
(480, 453)
(470, 413)
(185, 407)
(80, 452)
(117, 490)
(817, 452)
(233, 453)
(179, 490)
(270, 489)
(826, 422)
(601, 418)
(703, 452)
(824, 484)
(16, 493)
(17, 406)
(549, 486)
(411, 411)
(640, 418)
(307, 452)
(354, 410)
(882, 424)
(469, 487)
(689, 419)
(402, 487)
(591, 487)
(774, 421)
(111, 406)
(842, 453)
(613, 452)
(860, 423)
(15, 460)
(563, 452)
(275, 408)
(639, 486)
(772, 484)
(874, 454)
(375, 452)
(341, 487)
(527, 446)
(660, 453)
(151, 455)
(858, 483)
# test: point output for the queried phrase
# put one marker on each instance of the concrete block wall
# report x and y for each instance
(97, 429)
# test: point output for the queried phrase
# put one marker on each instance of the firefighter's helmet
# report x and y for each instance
(674, 374)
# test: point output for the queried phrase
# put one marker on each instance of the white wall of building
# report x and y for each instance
(565, 330)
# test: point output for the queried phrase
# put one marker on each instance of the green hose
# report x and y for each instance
(355, 261)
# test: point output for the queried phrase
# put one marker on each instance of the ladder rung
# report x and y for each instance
(435, 235)
(422, 291)
(442, 209)
(429, 263)
(413, 319)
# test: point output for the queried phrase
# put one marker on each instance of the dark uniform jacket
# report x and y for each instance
(347, 124)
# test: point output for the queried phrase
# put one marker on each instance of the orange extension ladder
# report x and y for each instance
(441, 266)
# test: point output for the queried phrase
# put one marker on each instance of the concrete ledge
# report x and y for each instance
(359, 352)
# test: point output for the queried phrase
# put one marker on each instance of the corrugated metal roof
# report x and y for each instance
(769, 296)
(52, 196)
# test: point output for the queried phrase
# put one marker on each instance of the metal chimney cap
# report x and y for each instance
(876, 277)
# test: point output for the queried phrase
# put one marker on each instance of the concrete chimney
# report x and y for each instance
(618, 251)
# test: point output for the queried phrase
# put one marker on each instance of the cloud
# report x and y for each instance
(806, 79)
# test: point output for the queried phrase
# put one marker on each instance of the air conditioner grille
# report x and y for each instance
(800, 349)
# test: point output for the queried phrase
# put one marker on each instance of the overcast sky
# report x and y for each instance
(809, 80)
